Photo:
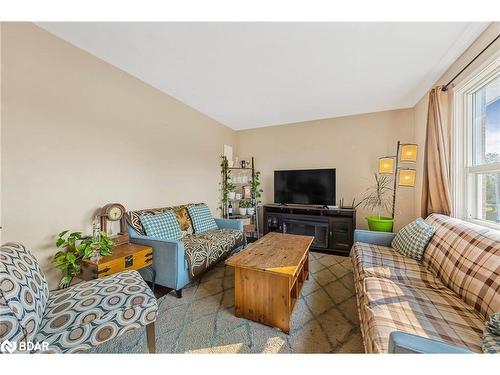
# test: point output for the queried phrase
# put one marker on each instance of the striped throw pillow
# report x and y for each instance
(412, 239)
(164, 226)
(202, 218)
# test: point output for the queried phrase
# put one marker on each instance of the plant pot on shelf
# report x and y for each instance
(231, 195)
(380, 223)
(243, 210)
(250, 210)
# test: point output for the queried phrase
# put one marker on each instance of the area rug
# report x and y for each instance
(325, 319)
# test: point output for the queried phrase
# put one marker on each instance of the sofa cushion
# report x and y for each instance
(467, 261)
(23, 293)
(183, 218)
(202, 218)
(438, 315)
(164, 226)
(382, 261)
(491, 337)
(412, 239)
(93, 312)
(134, 218)
(205, 249)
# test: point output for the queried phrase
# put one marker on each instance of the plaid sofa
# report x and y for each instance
(447, 297)
(176, 263)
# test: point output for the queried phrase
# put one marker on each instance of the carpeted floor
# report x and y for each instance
(325, 319)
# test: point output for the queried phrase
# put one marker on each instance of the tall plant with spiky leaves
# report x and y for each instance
(378, 197)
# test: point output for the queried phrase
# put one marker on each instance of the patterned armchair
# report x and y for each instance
(69, 320)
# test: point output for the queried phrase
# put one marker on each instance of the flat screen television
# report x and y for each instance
(305, 186)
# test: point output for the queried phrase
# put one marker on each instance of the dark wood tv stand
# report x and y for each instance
(333, 229)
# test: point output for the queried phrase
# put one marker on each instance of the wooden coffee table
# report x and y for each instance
(269, 275)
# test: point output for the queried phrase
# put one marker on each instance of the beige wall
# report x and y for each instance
(420, 109)
(351, 144)
(78, 133)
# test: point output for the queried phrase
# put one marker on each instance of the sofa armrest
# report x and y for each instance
(405, 343)
(374, 238)
(168, 259)
(229, 223)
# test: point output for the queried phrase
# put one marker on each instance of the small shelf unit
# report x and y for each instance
(239, 187)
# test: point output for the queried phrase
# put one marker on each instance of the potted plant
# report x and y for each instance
(250, 209)
(226, 185)
(74, 248)
(244, 204)
(378, 199)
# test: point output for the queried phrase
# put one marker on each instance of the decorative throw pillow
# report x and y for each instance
(491, 337)
(184, 220)
(134, 218)
(412, 239)
(164, 226)
(202, 218)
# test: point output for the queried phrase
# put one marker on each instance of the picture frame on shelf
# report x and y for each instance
(247, 192)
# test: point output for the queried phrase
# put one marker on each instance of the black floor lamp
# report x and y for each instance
(405, 153)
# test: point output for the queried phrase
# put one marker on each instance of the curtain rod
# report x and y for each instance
(445, 87)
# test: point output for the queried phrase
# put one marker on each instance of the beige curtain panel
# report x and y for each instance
(436, 196)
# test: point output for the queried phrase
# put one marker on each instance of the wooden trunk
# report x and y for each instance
(124, 258)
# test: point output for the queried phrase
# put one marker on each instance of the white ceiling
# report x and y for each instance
(248, 75)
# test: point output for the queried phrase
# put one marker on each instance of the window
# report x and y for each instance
(476, 152)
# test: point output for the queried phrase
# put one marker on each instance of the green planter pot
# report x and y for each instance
(380, 224)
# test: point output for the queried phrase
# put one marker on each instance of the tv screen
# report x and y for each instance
(306, 186)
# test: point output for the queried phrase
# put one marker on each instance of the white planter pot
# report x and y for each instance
(250, 210)
(231, 195)
(243, 211)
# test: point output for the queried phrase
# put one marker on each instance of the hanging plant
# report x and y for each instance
(255, 188)
(226, 186)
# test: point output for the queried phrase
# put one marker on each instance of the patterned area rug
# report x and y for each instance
(325, 319)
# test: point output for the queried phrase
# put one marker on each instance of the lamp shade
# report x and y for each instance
(408, 153)
(386, 165)
(407, 177)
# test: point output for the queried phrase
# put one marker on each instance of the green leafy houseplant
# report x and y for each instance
(255, 188)
(74, 248)
(378, 199)
(225, 184)
(245, 203)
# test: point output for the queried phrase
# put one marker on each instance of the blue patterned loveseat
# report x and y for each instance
(70, 320)
(176, 263)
